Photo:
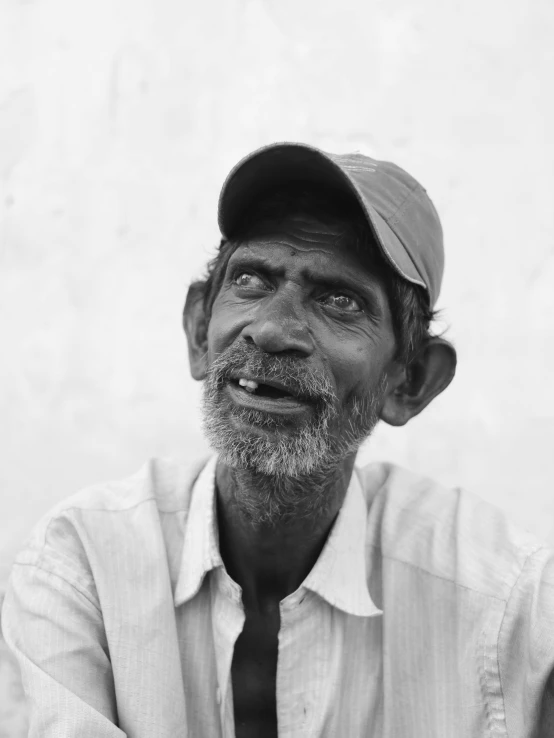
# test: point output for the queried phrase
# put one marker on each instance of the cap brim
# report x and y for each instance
(282, 163)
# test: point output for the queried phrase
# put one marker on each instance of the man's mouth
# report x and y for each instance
(270, 396)
(264, 389)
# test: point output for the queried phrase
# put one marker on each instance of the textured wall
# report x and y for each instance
(118, 122)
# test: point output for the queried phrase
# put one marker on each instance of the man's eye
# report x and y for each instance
(247, 279)
(342, 302)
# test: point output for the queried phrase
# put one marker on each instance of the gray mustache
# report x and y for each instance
(299, 379)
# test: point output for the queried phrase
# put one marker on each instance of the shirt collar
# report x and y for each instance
(201, 545)
(339, 575)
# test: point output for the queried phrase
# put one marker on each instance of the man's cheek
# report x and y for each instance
(222, 333)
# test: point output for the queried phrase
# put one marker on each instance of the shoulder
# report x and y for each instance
(111, 514)
(449, 533)
(165, 482)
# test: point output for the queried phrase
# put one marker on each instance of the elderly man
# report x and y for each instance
(278, 589)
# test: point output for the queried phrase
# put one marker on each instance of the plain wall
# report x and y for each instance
(119, 120)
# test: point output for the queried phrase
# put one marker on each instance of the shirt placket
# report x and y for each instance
(227, 624)
(303, 672)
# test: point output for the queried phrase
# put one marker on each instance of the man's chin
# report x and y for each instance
(271, 453)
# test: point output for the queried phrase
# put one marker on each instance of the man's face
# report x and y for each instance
(300, 341)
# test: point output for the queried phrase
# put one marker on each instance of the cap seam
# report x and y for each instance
(394, 217)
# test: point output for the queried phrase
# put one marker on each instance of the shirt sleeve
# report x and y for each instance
(57, 635)
(526, 649)
(546, 719)
(545, 648)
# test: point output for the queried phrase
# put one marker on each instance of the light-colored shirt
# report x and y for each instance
(427, 614)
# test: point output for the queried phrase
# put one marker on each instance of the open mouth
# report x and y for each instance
(272, 398)
(261, 389)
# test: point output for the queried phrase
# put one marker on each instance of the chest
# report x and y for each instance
(254, 676)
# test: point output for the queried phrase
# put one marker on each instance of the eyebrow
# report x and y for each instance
(349, 281)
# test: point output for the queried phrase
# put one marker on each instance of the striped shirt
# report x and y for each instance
(427, 614)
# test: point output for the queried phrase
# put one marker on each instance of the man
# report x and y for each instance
(277, 589)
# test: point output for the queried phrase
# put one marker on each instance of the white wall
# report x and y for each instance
(118, 122)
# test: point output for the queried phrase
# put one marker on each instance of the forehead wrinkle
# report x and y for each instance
(301, 241)
(326, 238)
(318, 229)
(309, 247)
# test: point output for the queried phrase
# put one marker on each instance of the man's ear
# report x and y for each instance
(195, 324)
(425, 377)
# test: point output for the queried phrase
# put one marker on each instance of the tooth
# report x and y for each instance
(249, 384)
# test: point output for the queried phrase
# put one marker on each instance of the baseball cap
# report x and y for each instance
(403, 219)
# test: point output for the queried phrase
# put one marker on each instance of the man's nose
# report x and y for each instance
(280, 325)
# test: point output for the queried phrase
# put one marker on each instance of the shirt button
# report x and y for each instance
(218, 695)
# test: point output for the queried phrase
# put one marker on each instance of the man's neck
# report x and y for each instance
(270, 559)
